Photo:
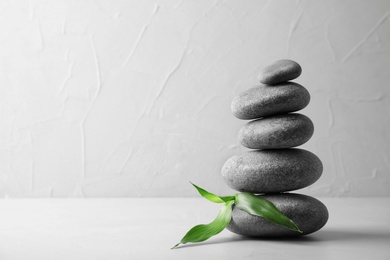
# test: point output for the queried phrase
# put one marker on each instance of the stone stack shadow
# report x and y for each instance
(274, 167)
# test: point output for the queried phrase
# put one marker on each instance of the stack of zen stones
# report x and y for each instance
(274, 167)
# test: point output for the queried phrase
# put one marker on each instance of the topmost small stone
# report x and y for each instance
(280, 71)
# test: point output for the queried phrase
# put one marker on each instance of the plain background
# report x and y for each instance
(132, 98)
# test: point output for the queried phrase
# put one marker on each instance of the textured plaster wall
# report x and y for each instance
(132, 98)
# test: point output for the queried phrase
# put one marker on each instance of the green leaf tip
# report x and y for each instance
(203, 232)
(211, 196)
(175, 246)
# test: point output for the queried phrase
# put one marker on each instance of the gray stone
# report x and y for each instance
(283, 131)
(263, 100)
(308, 213)
(280, 71)
(269, 171)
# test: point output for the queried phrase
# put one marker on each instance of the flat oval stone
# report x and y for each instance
(263, 100)
(280, 71)
(283, 131)
(270, 171)
(308, 213)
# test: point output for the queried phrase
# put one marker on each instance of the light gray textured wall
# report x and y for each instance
(132, 98)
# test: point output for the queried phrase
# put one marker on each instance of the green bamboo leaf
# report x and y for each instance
(261, 207)
(212, 197)
(203, 232)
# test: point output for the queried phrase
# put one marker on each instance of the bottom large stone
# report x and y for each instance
(308, 213)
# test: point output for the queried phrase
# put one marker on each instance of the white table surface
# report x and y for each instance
(146, 228)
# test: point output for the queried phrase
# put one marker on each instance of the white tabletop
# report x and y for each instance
(147, 228)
